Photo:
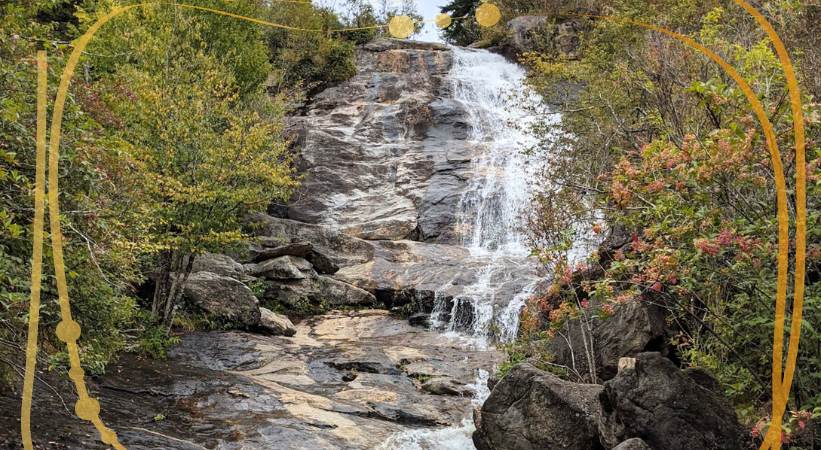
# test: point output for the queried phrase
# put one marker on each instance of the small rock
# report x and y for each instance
(275, 324)
(445, 386)
(282, 268)
(419, 320)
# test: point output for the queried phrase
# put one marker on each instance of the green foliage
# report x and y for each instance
(462, 32)
(513, 357)
(660, 143)
(172, 132)
(155, 341)
(310, 59)
(98, 276)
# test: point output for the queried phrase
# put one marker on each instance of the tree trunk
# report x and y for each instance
(174, 270)
(162, 283)
(184, 265)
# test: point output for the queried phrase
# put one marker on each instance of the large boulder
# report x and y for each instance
(652, 399)
(556, 36)
(219, 264)
(316, 294)
(523, 32)
(222, 298)
(282, 268)
(530, 409)
(636, 326)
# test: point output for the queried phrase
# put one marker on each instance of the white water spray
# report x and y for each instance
(493, 210)
(492, 216)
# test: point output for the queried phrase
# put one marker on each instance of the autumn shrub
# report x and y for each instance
(659, 145)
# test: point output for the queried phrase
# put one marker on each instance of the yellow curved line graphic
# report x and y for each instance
(780, 389)
(37, 247)
(773, 438)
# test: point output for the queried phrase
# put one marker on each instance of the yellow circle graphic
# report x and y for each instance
(401, 27)
(443, 20)
(488, 15)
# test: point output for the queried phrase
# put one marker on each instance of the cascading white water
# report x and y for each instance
(492, 215)
(493, 209)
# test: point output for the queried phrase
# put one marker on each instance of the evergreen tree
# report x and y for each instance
(462, 32)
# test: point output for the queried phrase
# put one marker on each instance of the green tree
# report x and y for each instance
(466, 31)
(205, 150)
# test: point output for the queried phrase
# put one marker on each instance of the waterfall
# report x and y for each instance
(491, 218)
(492, 211)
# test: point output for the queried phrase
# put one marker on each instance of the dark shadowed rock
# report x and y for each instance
(320, 261)
(530, 409)
(635, 327)
(658, 402)
(274, 248)
(419, 320)
(318, 290)
(222, 298)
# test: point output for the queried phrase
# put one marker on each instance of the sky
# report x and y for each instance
(426, 8)
(429, 9)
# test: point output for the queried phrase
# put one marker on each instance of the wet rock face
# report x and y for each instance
(410, 272)
(383, 153)
(344, 380)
